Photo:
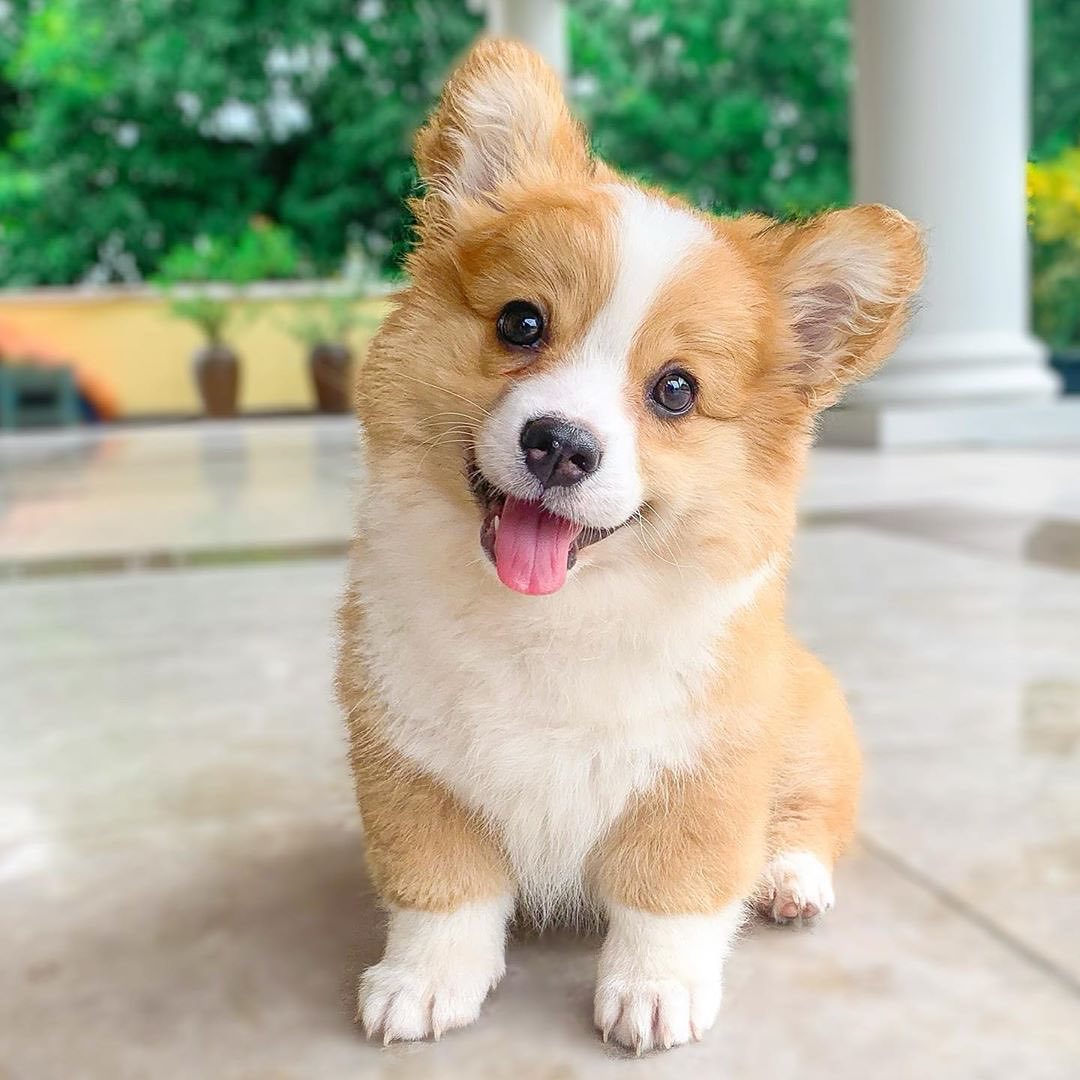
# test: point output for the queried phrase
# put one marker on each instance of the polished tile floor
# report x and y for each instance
(181, 883)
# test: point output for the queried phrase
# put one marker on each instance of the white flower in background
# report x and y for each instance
(127, 134)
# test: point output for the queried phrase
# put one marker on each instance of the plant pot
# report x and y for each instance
(1067, 363)
(217, 374)
(330, 364)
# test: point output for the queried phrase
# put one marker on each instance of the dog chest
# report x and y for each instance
(547, 730)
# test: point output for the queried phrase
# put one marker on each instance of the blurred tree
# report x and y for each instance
(1054, 182)
(11, 18)
(738, 104)
(141, 124)
(137, 127)
(130, 128)
(1055, 47)
(1054, 215)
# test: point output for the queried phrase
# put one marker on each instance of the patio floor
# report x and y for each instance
(181, 883)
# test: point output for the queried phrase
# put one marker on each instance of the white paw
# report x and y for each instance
(437, 970)
(660, 976)
(796, 885)
(408, 1003)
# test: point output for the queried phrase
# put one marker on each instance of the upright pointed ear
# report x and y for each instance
(847, 279)
(502, 118)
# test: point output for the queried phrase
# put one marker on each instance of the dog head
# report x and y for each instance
(579, 358)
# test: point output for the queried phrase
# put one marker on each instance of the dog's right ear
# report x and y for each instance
(502, 119)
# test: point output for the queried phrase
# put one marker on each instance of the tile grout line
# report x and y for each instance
(55, 566)
(971, 914)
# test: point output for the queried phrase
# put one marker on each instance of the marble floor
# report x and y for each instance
(181, 883)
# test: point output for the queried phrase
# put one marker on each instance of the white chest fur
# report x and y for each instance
(546, 714)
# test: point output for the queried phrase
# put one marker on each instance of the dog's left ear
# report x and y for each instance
(846, 281)
(502, 118)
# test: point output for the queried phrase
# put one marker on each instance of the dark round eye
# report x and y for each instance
(520, 323)
(674, 393)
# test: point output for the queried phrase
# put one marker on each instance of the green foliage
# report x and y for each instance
(209, 314)
(1054, 213)
(12, 16)
(1054, 179)
(262, 252)
(1055, 48)
(738, 104)
(129, 130)
(330, 320)
(141, 124)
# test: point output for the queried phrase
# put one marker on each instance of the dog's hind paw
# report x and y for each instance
(796, 886)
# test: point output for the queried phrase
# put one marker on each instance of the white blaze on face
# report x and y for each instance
(590, 388)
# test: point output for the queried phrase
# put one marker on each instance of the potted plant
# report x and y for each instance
(324, 330)
(203, 280)
(215, 363)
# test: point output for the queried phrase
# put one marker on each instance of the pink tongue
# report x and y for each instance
(531, 547)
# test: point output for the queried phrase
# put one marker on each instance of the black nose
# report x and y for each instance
(559, 454)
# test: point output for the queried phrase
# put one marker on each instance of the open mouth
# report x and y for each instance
(533, 549)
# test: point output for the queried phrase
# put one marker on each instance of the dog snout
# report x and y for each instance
(558, 453)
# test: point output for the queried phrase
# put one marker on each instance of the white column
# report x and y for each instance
(540, 24)
(941, 133)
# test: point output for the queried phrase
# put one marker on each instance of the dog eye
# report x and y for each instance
(520, 323)
(674, 393)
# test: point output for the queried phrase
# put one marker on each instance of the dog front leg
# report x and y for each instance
(674, 878)
(443, 879)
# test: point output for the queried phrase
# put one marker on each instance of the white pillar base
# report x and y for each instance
(942, 369)
(890, 426)
(974, 389)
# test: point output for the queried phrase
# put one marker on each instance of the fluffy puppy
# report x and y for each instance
(567, 678)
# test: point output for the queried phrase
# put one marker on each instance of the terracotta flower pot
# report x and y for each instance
(330, 364)
(217, 373)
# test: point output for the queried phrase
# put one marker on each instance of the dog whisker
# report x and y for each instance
(443, 389)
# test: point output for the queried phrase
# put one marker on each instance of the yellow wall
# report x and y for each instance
(130, 342)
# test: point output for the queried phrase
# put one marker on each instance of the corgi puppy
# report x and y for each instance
(567, 679)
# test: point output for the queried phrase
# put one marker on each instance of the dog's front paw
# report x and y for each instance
(655, 1014)
(660, 976)
(401, 1002)
(796, 885)
(437, 969)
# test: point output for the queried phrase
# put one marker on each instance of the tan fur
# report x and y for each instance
(782, 773)
(423, 849)
(771, 323)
